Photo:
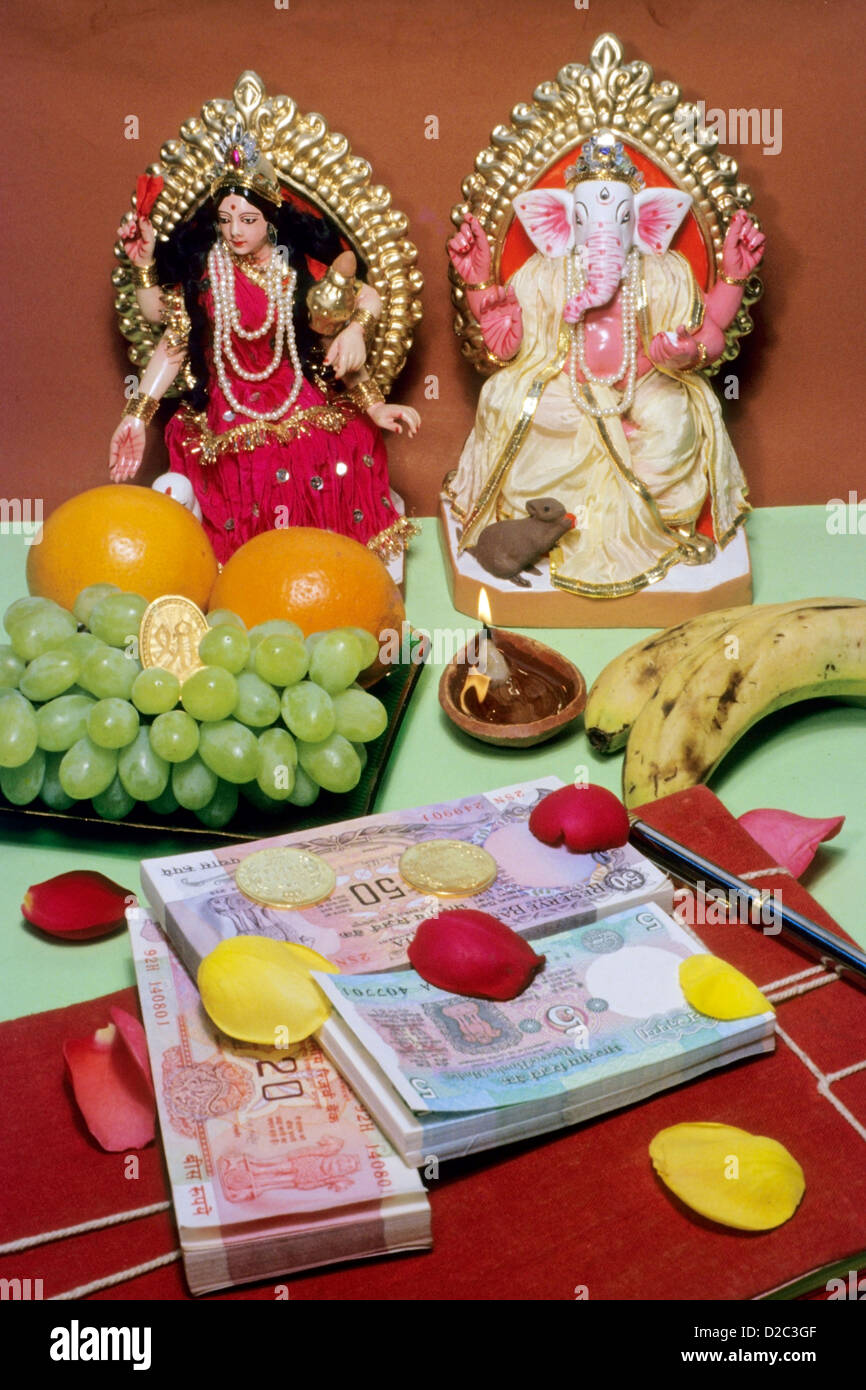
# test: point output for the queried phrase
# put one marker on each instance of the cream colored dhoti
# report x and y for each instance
(627, 492)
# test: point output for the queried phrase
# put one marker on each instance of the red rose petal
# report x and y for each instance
(468, 952)
(789, 839)
(147, 189)
(113, 1094)
(587, 817)
(77, 905)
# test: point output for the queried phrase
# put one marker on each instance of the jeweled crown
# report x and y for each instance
(242, 166)
(602, 157)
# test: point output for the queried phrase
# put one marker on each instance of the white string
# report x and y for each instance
(824, 1083)
(790, 979)
(759, 873)
(804, 988)
(84, 1289)
(846, 1071)
(26, 1242)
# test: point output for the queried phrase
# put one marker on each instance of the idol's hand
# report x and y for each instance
(679, 356)
(139, 239)
(389, 417)
(470, 252)
(501, 321)
(126, 450)
(744, 247)
(348, 351)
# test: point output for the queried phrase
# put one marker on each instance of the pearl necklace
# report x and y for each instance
(227, 321)
(628, 365)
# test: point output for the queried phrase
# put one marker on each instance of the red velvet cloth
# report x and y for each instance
(540, 1220)
(337, 481)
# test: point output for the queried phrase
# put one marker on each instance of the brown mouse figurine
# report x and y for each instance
(506, 548)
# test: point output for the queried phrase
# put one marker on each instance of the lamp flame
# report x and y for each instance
(484, 608)
(478, 682)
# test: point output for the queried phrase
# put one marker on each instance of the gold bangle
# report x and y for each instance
(141, 407)
(365, 394)
(482, 285)
(368, 323)
(144, 277)
(729, 280)
(702, 359)
(176, 319)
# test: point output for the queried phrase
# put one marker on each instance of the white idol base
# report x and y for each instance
(684, 592)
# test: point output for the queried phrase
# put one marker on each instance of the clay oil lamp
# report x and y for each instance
(509, 690)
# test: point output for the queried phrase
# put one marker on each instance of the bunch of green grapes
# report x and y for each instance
(270, 714)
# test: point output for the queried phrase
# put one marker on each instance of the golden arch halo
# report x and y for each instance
(316, 164)
(649, 117)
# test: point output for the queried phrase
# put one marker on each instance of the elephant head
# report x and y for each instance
(604, 211)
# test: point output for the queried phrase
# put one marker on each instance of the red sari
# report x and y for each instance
(323, 464)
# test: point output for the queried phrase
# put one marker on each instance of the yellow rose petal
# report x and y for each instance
(266, 948)
(310, 959)
(261, 991)
(739, 1179)
(714, 987)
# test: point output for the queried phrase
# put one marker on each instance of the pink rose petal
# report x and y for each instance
(132, 1032)
(113, 1090)
(790, 840)
(468, 952)
(587, 817)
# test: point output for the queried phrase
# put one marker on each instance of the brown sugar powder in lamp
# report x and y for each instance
(510, 690)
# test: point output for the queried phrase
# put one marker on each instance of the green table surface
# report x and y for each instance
(810, 759)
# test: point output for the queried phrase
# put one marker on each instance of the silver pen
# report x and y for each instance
(840, 955)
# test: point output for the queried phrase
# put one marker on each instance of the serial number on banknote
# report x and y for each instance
(382, 990)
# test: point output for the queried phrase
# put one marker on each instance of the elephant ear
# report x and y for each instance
(547, 214)
(658, 214)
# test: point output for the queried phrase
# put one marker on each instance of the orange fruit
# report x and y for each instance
(141, 540)
(317, 579)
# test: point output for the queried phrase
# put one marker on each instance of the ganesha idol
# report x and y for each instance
(598, 441)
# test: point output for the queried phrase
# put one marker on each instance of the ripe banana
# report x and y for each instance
(626, 683)
(766, 660)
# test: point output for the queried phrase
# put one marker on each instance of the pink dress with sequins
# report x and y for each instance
(323, 464)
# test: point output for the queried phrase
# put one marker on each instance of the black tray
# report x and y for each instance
(249, 823)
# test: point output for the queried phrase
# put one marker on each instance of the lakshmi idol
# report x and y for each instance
(268, 331)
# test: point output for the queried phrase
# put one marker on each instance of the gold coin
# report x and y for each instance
(285, 877)
(171, 629)
(448, 868)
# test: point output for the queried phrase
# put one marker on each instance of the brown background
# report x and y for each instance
(74, 71)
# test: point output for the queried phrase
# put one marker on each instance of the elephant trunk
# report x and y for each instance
(603, 256)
